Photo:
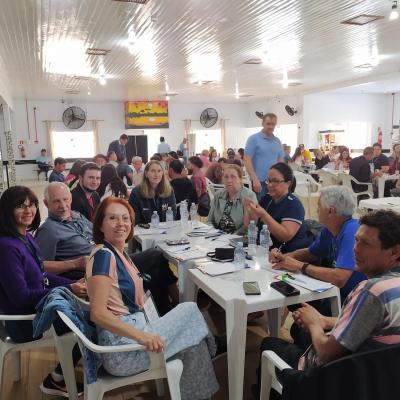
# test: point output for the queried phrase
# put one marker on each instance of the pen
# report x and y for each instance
(280, 247)
(186, 248)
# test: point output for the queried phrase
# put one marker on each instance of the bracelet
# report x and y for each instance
(304, 268)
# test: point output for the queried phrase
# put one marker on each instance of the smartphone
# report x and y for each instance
(251, 288)
(145, 226)
(286, 289)
(177, 242)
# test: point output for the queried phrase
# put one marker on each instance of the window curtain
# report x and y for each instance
(50, 144)
(95, 127)
(223, 131)
(191, 138)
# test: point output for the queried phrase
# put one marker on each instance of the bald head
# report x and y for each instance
(58, 199)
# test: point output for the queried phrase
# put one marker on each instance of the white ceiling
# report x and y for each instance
(43, 43)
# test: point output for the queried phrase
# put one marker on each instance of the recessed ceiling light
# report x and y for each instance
(97, 52)
(362, 19)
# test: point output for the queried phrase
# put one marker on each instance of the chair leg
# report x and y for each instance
(2, 356)
(174, 373)
(16, 363)
(266, 380)
(160, 390)
(94, 391)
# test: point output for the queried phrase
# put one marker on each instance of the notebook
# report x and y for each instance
(304, 281)
(217, 268)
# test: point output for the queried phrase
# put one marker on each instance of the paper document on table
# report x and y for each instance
(223, 239)
(187, 254)
(217, 268)
(206, 231)
(150, 232)
(305, 282)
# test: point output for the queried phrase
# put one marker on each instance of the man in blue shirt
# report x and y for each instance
(183, 147)
(57, 173)
(163, 147)
(334, 243)
(262, 150)
(44, 162)
(118, 146)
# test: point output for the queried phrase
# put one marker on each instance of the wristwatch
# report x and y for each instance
(304, 268)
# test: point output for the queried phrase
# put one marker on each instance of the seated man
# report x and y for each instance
(84, 197)
(138, 170)
(360, 169)
(183, 187)
(43, 162)
(66, 241)
(370, 317)
(335, 243)
(57, 173)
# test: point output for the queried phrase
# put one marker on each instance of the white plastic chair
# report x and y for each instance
(327, 177)
(347, 179)
(210, 189)
(270, 361)
(158, 369)
(64, 345)
(304, 188)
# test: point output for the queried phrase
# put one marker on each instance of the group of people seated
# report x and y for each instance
(81, 246)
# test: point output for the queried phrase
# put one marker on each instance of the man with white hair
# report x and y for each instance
(65, 238)
(138, 170)
(335, 243)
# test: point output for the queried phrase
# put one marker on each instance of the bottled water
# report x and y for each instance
(155, 220)
(169, 216)
(193, 212)
(239, 255)
(252, 238)
(184, 212)
(265, 237)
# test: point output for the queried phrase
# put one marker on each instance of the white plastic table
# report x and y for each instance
(385, 203)
(381, 183)
(227, 291)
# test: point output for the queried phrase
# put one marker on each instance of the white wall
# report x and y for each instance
(325, 111)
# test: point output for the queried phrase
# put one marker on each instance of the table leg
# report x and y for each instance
(189, 292)
(381, 187)
(274, 321)
(236, 325)
(335, 305)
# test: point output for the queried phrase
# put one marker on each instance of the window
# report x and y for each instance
(206, 138)
(73, 144)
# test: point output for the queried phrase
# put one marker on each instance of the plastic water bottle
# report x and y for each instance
(265, 239)
(193, 212)
(169, 216)
(155, 220)
(252, 238)
(184, 212)
(239, 255)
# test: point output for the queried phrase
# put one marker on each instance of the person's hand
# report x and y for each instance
(79, 288)
(256, 185)
(275, 256)
(255, 210)
(289, 264)
(151, 341)
(306, 316)
(80, 263)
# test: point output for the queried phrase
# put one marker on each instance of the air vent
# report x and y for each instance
(294, 83)
(71, 91)
(133, 1)
(364, 66)
(253, 61)
(362, 19)
(246, 95)
(97, 52)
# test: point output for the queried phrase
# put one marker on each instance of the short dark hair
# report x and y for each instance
(88, 166)
(176, 166)
(387, 222)
(222, 159)
(269, 115)
(121, 159)
(110, 152)
(195, 160)
(174, 155)
(98, 235)
(368, 151)
(43, 150)
(76, 167)
(124, 137)
(156, 157)
(100, 156)
(60, 160)
(377, 145)
(287, 174)
(12, 198)
(162, 139)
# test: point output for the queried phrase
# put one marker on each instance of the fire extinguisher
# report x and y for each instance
(22, 150)
(380, 136)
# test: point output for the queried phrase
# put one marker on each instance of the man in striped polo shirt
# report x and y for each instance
(370, 317)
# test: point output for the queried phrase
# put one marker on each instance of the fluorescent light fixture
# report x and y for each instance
(205, 67)
(285, 79)
(394, 14)
(89, 93)
(102, 80)
(237, 94)
(102, 69)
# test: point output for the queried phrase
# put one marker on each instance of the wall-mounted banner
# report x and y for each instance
(146, 114)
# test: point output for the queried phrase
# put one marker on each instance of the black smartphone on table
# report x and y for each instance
(285, 288)
(251, 288)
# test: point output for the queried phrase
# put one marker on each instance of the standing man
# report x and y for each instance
(360, 169)
(57, 173)
(183, 147)
(263, 149)
(118, 146)
(163, 147)
(85, 199)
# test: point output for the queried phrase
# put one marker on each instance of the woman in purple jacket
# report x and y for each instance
(24, 282)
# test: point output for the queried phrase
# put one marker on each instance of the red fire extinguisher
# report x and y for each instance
(22, 150)
(379, 135)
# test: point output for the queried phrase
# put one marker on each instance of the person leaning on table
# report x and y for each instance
(370, 316)
(115, 289)
(228, 208)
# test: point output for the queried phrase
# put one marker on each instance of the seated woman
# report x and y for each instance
(343, 162)
(111, 184)
(214, 173)
(23, 280)
(72, 178)
(115, 289)
(280, 210)
(195, 164)
(227, 208)
(153, 194)
(321, 160)
(298, 158)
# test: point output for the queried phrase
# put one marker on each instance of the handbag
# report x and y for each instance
(222, 254)
(204, 205)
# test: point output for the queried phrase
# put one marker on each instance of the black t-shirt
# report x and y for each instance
(361, 170)
(319, 164)
(381, 161)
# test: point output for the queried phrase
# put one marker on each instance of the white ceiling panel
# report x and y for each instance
(43, 45)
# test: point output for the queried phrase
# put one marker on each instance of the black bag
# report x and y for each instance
(204, 205)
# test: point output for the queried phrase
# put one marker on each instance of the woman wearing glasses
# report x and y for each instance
(280, 210)
(115, 290)
(24, 281)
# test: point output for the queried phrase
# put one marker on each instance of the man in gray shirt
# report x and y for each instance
(65, 238)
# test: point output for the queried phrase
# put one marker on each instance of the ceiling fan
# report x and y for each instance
(209, 117)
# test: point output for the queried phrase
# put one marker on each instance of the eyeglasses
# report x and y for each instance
(24, 207)
(274, 181)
